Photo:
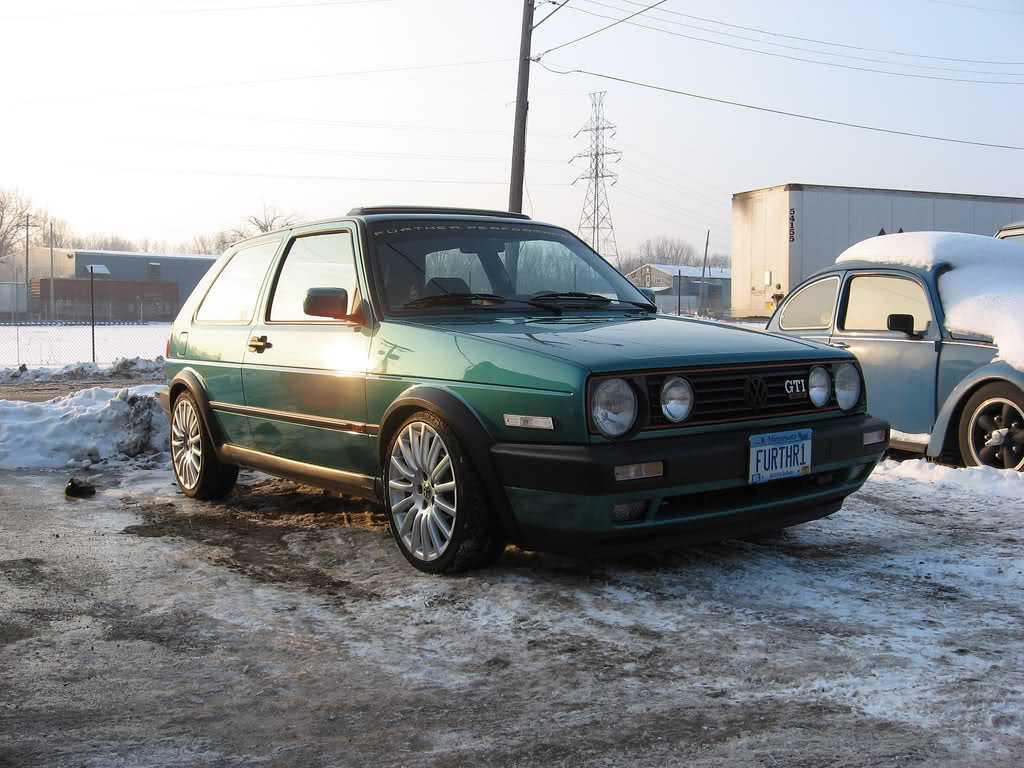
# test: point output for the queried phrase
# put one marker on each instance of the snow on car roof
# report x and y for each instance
(983, 292)
(927, 249)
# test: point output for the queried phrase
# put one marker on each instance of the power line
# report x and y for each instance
(326, 122)
(284, 79)
(808, 50)
(784, 113)
(976, 7)
(300, 177)
(559, 7)
(182, 11)
(602, 29)
(800, 58)
(827, 42)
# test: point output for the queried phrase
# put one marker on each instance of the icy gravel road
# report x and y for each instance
(283, 628)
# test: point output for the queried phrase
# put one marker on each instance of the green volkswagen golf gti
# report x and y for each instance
(491, 380)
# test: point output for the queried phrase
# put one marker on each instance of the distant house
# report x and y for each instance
(677, 285)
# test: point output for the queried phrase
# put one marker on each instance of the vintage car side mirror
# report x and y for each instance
(904, 323)
(326, 302)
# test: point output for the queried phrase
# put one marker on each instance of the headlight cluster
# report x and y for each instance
(614, 404)
(846, 385)
(613, 407)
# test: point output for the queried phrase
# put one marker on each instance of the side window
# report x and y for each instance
(314, 261)
(233, 295)
(872, 298)
(811, 307)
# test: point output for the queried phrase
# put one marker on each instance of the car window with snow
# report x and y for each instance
(872, 298)
(812, 306)
(232, 298)
(314, 261)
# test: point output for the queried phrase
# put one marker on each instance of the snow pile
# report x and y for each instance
(125, 367)
(982, 481)
(981, 294)
(81, 429)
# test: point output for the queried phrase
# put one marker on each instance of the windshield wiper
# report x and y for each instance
(591, 298)
(469, 299)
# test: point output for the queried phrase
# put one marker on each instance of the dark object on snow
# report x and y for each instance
(22, 368)
(79, 488)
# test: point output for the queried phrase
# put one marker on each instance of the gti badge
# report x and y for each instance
(796, 388)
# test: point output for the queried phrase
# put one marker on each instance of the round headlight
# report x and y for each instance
(819, 386)
(613, 407)
(847, 385)
(676, 398)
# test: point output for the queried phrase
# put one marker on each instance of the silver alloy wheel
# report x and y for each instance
(186, 444)
(422, 491)
(996, 434)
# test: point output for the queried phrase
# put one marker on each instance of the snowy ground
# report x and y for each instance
(283, 627)
(58, 345)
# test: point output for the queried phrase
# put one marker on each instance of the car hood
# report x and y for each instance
(619, 343)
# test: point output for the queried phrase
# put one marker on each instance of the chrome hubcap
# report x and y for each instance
(186, 444)
(422, 491)
(996, 434)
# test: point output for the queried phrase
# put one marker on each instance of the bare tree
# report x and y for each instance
(214, 243)
(63, 237)
(660, 250)
(13, 209)
(98, 241)
(271, 219)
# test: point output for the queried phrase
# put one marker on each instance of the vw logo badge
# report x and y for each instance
(755, 392)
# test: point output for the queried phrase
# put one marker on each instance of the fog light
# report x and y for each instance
(877, 436)
(639, 471)
(626, 512)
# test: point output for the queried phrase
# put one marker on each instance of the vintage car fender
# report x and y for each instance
(997, 370)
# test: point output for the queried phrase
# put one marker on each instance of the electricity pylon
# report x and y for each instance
(596, 219)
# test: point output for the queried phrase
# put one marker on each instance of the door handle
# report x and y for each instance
(838, 344)
(259, 343)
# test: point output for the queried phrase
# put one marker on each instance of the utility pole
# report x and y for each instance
(702, 305)
(52, 306)
(596, 218)
(26, 266)
(515, 193)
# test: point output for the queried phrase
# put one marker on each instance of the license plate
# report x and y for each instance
(780, 454)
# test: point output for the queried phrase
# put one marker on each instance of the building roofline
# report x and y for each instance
(138, 254)
(796, 187)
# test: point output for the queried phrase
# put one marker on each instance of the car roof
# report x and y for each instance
(408, 213)
(863, 264)
(1014, 225)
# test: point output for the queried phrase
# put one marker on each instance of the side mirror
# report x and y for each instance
(904, 323)
(648, 293)
(326, 302)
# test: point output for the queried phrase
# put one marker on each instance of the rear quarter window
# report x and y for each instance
(232, 297)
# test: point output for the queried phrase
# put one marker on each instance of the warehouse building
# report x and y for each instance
(677, 287)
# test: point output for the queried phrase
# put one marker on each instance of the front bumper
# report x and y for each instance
(563, 496)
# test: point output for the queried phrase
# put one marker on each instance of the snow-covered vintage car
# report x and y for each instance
(935, 320)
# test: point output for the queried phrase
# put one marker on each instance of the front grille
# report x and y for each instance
(719, 394)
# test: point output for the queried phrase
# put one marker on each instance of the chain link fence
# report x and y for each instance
(59, 344)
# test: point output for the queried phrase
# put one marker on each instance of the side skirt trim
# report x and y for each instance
(296, 418)
(352, 483)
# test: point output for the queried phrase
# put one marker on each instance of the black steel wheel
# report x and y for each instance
(992, 428)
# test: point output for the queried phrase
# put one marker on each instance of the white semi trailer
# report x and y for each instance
(780, 235)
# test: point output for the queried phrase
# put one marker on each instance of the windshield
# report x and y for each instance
(492, 266)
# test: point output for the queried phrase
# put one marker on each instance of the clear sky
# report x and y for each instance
(162, 119)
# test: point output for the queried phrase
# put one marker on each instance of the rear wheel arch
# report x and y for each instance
(951, 438)
(186, 380)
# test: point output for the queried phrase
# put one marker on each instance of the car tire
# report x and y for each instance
(200, 474)
(992, 428)
(435, 501)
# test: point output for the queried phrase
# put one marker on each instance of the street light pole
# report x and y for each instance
(515, 194)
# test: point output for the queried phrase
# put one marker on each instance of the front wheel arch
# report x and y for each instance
(470, 431)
